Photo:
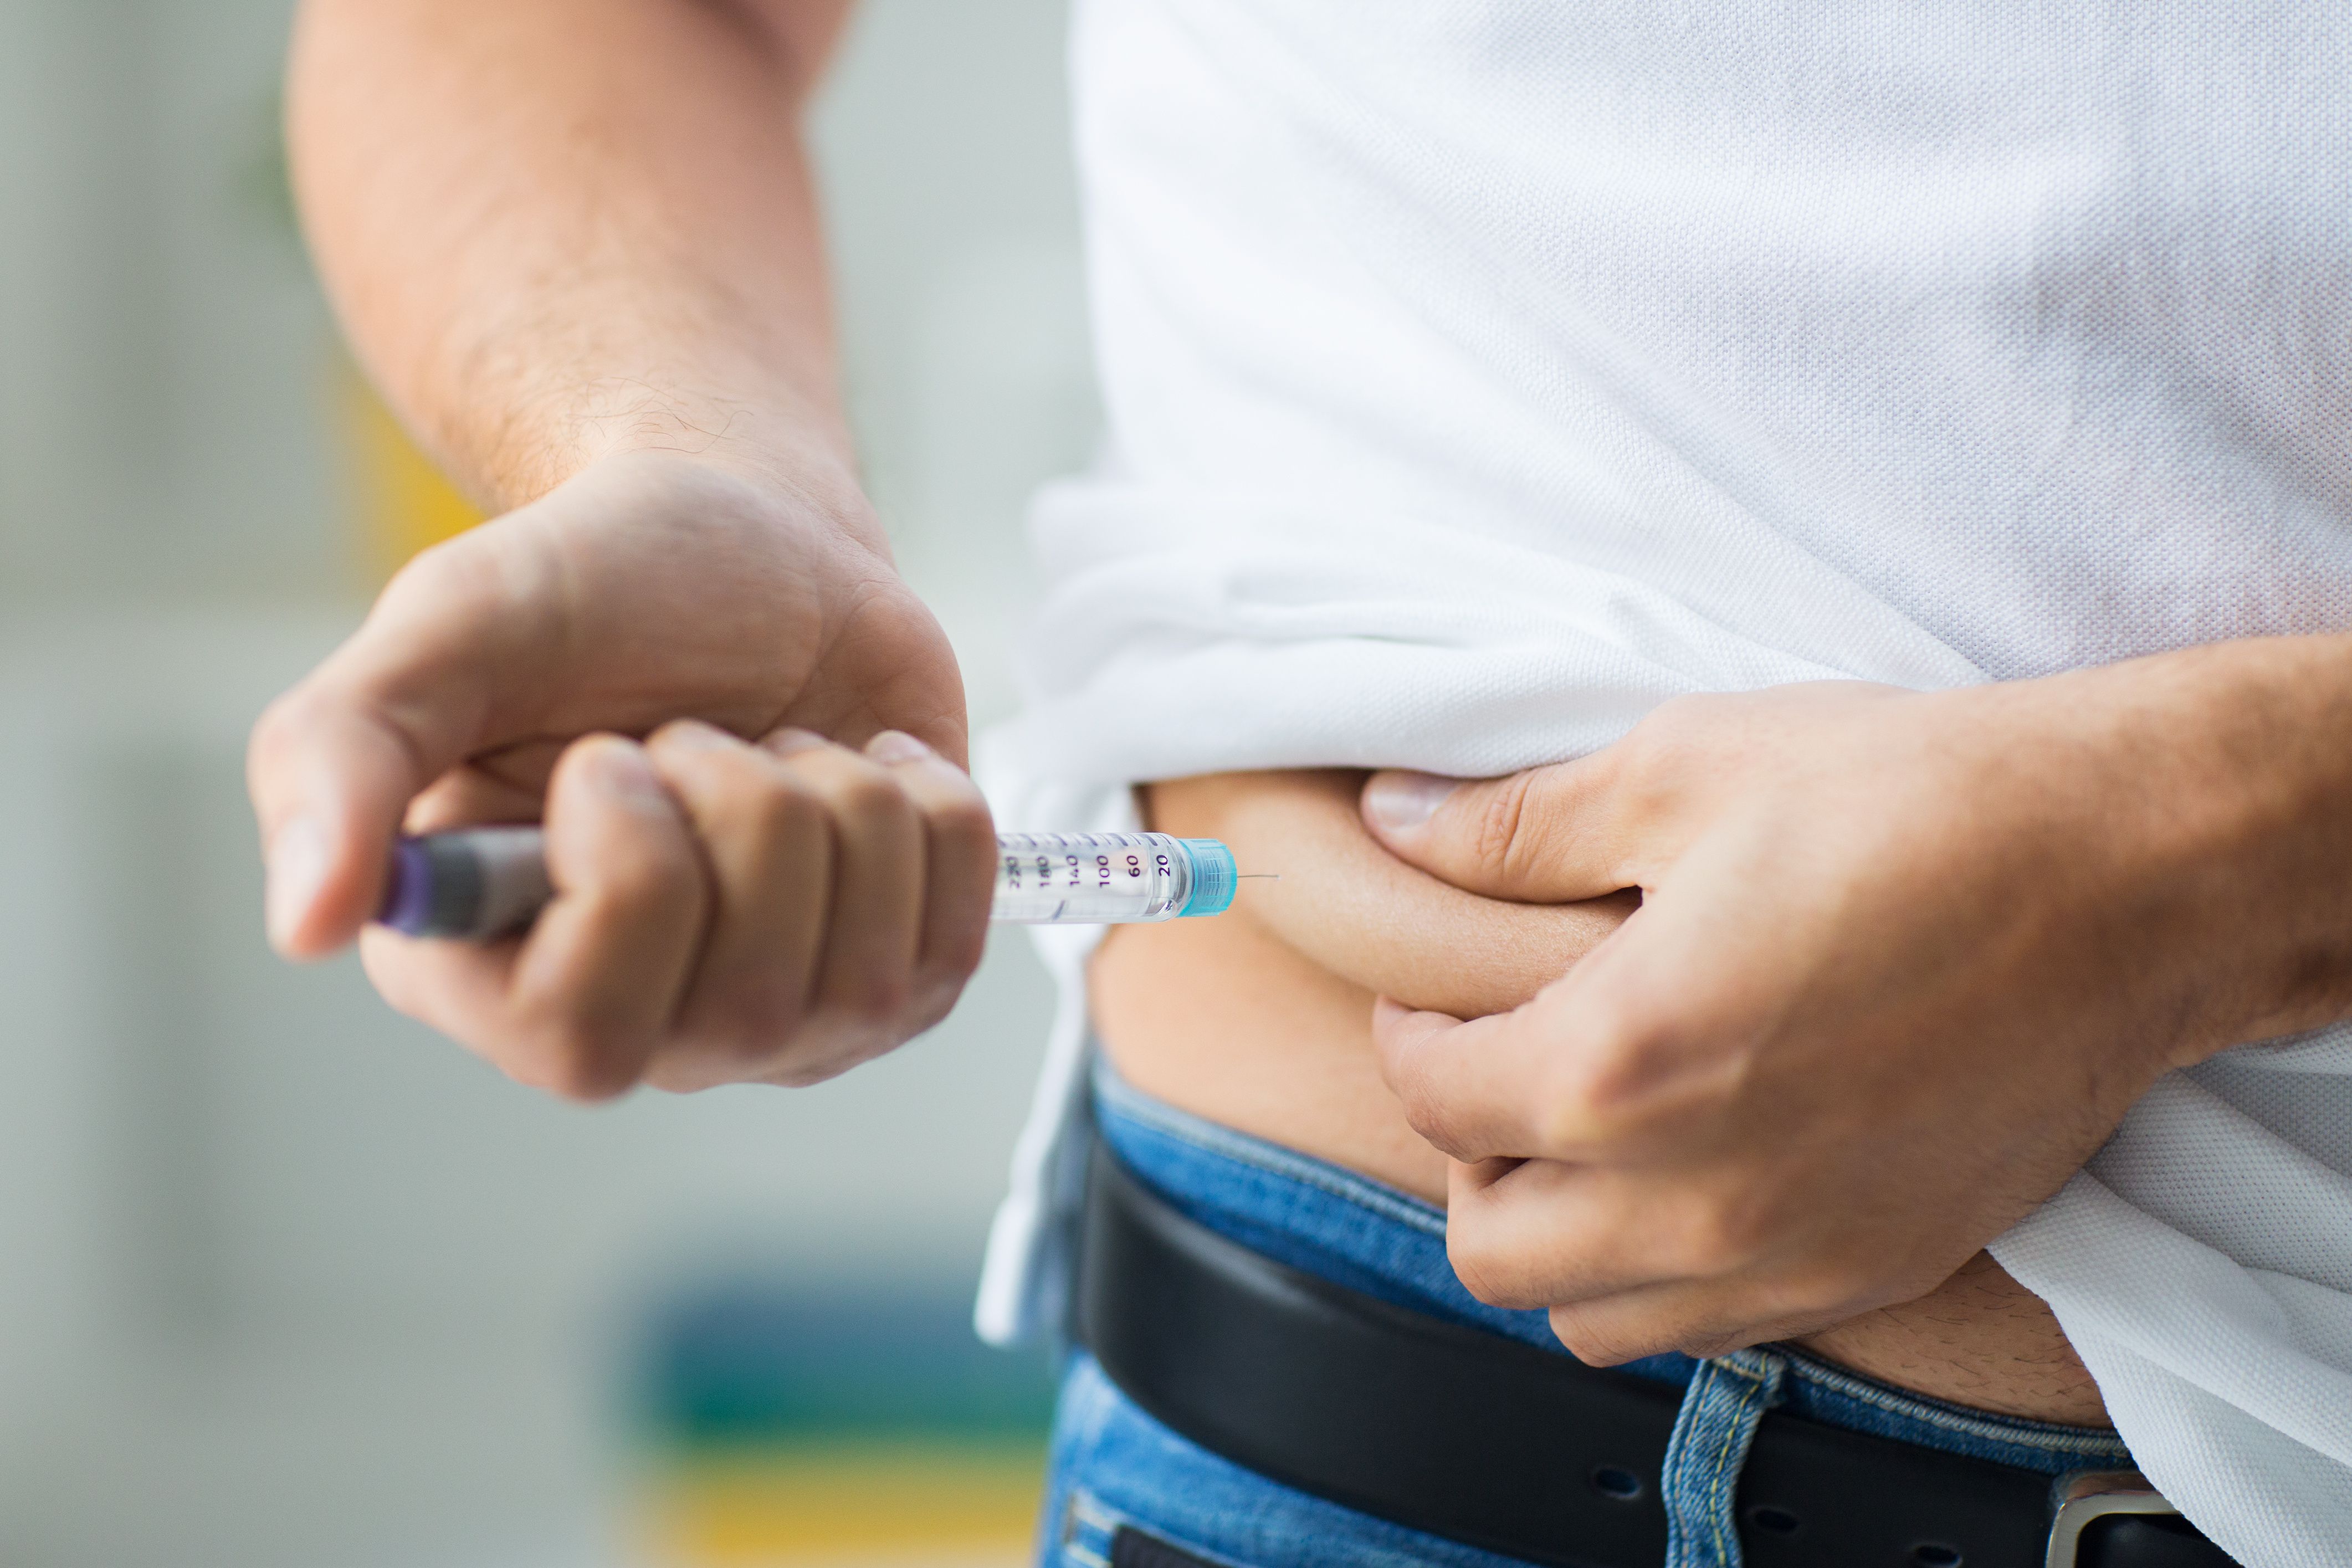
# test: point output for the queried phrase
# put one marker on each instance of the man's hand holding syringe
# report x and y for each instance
(848, 952)
(693, 909)
(701, 909)
(683, 647)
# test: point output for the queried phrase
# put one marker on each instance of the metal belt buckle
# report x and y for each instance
(2089, 1494)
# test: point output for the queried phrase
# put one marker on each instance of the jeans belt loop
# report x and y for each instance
(1717, 1425)
(2081, 1497)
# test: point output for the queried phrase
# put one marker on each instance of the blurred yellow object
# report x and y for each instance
(405, 503)
(851, 1504)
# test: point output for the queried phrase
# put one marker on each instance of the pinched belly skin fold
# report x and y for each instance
(1261, 1019)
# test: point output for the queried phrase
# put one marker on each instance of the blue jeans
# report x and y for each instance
(1113, 1467)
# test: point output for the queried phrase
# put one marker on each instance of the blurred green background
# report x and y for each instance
(284, 1280)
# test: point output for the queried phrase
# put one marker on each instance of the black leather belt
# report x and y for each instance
(1498, 1445)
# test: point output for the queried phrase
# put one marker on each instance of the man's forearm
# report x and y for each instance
(559, 229)
(2227, 774)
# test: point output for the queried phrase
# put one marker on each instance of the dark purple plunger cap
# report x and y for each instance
(408, 889)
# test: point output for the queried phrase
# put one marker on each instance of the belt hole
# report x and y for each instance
(1778, 1521)
(1930, 1554)
(1624, 1485)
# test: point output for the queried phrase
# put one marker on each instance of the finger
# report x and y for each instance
(480, 792)
(455, 988)
(766, 840)
(1473, 1090)
(1701, 1319)
(1541, 1233)
(865, 973)
(1607, 1063)
(575, 1006)
(1365, 915)
(334, 763)
(959, 866)
(605, 967)
(1546, 1233)
(1546, 836)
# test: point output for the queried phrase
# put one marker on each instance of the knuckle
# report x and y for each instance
(1588, 1340)
(959, 956)
(1832, 1291)
(963, 819)
(1600, 1090)
(930, 1008)
(755, 1026)
(786, 814)
(734, 785)
(677, 736)
(556, 1045)
(681, 747)
(1473, 1266)
(774, 1018)
(1567, 1115)
(1561, 1118)
(946, 967)
(880, 998)
(644, 882)
(1499, 836)
(572, 1064)
(730, 784)
(933, 1010)
(877, 796)
(1490, 1272)
(1424, 1110)
(1717, 1234)
(850, 785)
(735, 789)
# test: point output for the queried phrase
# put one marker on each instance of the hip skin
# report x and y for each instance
(1261, 1019)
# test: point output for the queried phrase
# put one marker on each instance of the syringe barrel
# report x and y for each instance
(476, 884)
(1108, 879)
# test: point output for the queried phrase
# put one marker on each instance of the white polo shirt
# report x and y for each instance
(1481, 375)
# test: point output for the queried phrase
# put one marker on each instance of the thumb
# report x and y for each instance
(1546, 836)
(333, 764)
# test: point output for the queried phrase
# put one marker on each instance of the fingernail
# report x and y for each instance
(620, 771)
(789, 739)
(897, 746)
(694, 733)
(1406, 800)
(296, 869)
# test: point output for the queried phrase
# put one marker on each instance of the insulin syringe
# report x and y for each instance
(478, 883)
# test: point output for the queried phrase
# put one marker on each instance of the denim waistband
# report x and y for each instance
(1356, 1232)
